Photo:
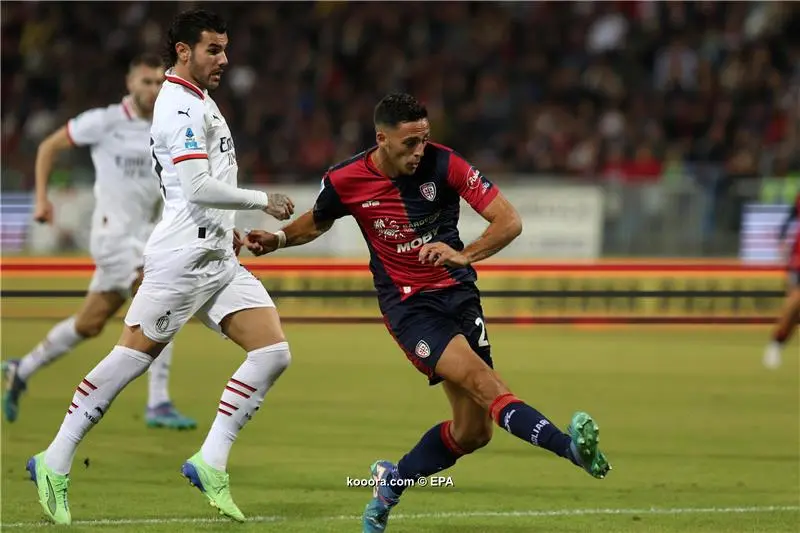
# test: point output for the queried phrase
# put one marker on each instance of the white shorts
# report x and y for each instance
(117, 262)
(180, 284)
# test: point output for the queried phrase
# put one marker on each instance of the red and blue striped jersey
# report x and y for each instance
(397, 216)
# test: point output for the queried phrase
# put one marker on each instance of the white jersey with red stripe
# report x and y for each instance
(187, 124)
(125, 189)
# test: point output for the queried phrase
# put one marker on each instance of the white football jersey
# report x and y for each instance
(125, 189)
(187, 124)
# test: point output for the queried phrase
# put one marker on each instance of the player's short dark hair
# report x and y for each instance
(188, 26)
(148, 59)
(396, 108)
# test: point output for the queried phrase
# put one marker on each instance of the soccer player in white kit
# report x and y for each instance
(127, 200)
(190, 269)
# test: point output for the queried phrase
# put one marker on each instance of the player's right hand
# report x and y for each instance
(279, 206)
(43, 212)
(261, 242)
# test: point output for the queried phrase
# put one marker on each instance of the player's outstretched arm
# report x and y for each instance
(303, 230)
(48, 149)
(201, 189)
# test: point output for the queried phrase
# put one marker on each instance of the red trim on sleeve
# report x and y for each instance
(192, 87)
(188, 156)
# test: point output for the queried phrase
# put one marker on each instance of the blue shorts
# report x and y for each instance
(424, 325)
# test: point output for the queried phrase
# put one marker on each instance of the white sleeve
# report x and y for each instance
(184, 130)
(201, 189)
(89, 127)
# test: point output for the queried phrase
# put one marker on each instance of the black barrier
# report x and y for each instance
(661, 303)
(556, 305)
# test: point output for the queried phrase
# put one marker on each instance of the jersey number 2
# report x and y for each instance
(482, 341)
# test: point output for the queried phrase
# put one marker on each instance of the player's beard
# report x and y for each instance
(143, 106)
(199, 75)
(204, 78)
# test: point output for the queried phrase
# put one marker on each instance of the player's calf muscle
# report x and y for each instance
(88, 327)
(96, 311)
(474, 434)
(253, 328)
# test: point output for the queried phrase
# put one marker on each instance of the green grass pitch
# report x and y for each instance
(701, 437)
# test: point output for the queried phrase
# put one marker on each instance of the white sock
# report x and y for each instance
(60, 340)
(91, 401)
(241, 399)
(158, 378)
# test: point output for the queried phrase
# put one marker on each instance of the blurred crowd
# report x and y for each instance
(638, 91)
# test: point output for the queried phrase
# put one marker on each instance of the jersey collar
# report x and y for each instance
(173, 78)
(128, 109)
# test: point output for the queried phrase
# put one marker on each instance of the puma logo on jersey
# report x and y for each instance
(185, 112)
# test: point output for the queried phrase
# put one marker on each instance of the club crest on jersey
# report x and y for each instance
(428, 191)
(422, 350)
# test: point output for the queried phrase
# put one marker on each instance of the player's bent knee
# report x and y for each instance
(253, 328)
(275, 358)
(88, 329)
(483, 385)
(133, 337)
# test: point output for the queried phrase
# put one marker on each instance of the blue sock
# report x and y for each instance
(528, 424)
(436, 451)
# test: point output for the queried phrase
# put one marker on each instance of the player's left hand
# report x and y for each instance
(237, 242)
(440, 254)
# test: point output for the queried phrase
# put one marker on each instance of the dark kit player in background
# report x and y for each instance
(405, 193)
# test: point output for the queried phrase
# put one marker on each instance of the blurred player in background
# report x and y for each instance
(190, 269)
(127, 201)
(405, 196)
(790, 314)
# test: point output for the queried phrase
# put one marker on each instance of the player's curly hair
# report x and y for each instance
(187, 27)
(396, 108)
